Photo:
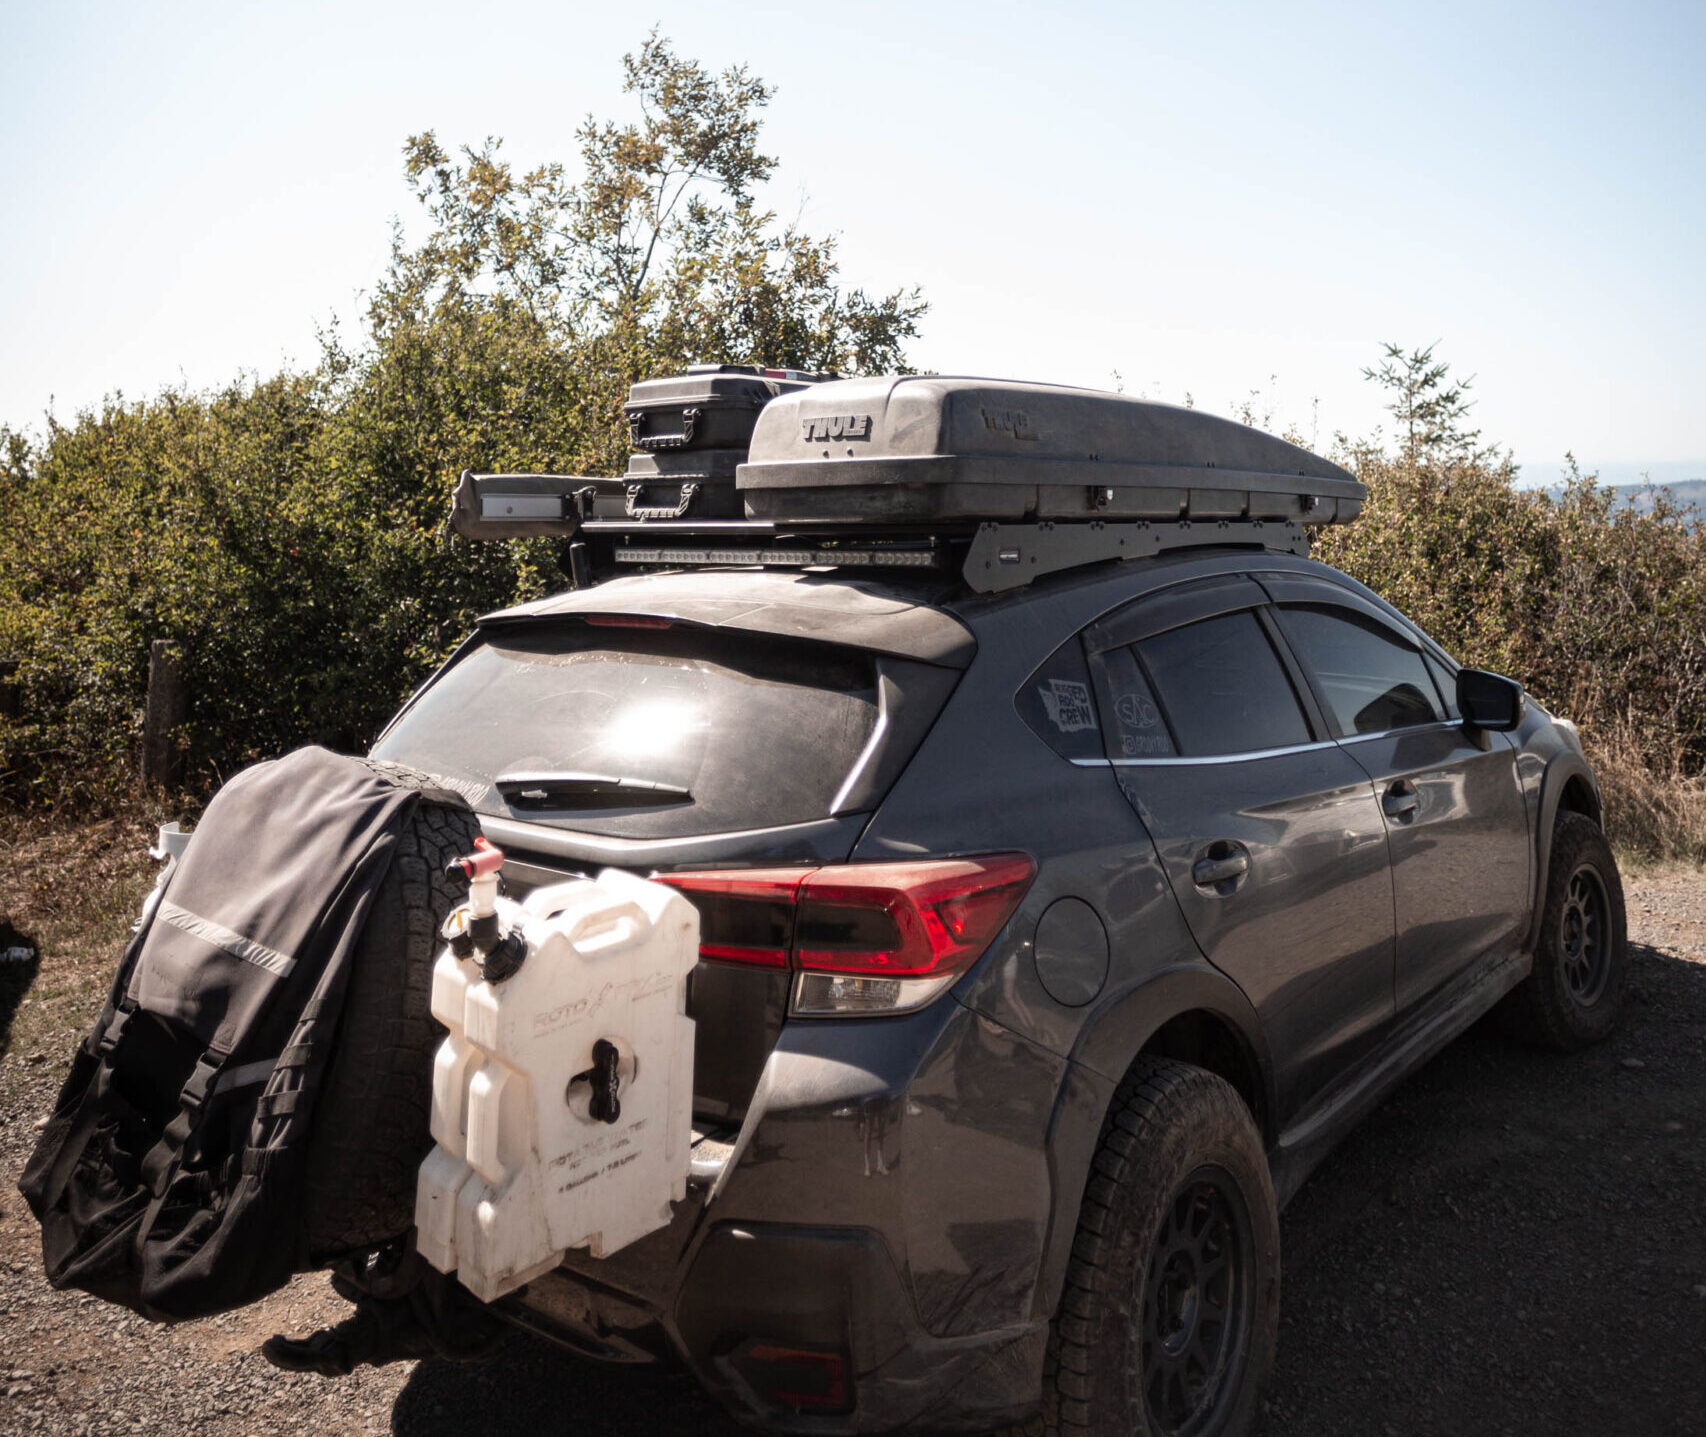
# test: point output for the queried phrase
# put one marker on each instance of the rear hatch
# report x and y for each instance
(688, 722)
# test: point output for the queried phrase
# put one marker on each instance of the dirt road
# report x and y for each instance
(1516, 1242)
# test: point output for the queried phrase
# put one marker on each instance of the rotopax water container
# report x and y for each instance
(562, 1096)
(930, 447)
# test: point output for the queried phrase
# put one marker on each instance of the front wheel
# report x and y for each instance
(1170, 1316)
(1574, 994)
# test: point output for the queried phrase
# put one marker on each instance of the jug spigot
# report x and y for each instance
(500, 954)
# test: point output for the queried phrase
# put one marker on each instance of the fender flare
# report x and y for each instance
(1107, 1045)
(1560, 769)
(1116, 1034)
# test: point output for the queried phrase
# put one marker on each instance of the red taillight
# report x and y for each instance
(878, 920)
(906, 920)
(745, 915)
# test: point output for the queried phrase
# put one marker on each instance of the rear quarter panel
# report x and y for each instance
(982, 781)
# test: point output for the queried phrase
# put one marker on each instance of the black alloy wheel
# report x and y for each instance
(1584, 935)
(1196, 1307)
(1573, 994)
(1170, 1315)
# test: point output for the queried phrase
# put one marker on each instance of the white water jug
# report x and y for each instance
(537, 1151)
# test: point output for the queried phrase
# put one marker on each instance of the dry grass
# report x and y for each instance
(72, 891)
(1651, 817)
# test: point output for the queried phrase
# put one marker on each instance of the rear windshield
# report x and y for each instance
(644, 733)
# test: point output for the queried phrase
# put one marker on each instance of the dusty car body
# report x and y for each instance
(1271, 833)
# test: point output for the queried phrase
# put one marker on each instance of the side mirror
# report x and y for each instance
(1489, 701)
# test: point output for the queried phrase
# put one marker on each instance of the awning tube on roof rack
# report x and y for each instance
(517, 506)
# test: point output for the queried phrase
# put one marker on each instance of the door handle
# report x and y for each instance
(1224, 863)
(1401, 800)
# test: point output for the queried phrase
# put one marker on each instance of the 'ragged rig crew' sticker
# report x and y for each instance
(1059, 706)
(1068, 705)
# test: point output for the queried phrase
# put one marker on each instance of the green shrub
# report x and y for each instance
(1599, 608)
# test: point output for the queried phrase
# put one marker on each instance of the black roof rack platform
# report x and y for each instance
(1009, 556)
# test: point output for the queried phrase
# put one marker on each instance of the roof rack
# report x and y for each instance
(1005, 481)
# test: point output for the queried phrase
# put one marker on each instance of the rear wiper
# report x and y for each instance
(554, 791)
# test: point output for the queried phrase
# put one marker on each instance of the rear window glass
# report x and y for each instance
(644, 733)
(1223, 687)
(1370, 680)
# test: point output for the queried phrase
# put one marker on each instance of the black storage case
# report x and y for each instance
(689, 431)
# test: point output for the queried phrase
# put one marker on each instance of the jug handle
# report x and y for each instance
(605, 930)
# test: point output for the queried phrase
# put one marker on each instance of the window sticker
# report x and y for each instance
(1058, 704)
(1139, 731)
(1142, 733)
(1067, 703)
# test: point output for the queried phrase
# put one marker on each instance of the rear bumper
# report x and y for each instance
(753, 1292)
(864, 1255)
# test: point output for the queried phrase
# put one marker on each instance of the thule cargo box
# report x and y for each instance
(931, 448)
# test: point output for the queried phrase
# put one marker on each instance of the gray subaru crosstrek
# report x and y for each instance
(1054, 926)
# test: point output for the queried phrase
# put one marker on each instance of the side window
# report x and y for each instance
(1057, 704)
(1223, 687)
(1368, 678)
(1135, 727)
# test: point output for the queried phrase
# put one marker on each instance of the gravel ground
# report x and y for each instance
(1515, 1242)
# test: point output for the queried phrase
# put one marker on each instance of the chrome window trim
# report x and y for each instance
(1444, 723)
(1245, 757)
(1252, 754)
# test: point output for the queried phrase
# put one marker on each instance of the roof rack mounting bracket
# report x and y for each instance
(1009, 556)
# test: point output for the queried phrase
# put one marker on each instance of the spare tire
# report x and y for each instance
(371, 1125)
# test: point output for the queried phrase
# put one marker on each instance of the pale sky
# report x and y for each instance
(1207, 198)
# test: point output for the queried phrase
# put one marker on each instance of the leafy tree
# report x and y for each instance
(1431, 406)
(289, 533)
(661, 251)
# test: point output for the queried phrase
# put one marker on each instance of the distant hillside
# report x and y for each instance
(1686, 491)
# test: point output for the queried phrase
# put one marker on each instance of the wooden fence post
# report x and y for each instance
(165, 712)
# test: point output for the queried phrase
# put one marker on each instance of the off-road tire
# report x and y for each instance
(371, 1118)
(1173, 1134)
(1569, 1002)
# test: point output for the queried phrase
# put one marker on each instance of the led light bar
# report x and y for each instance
(879, 556)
